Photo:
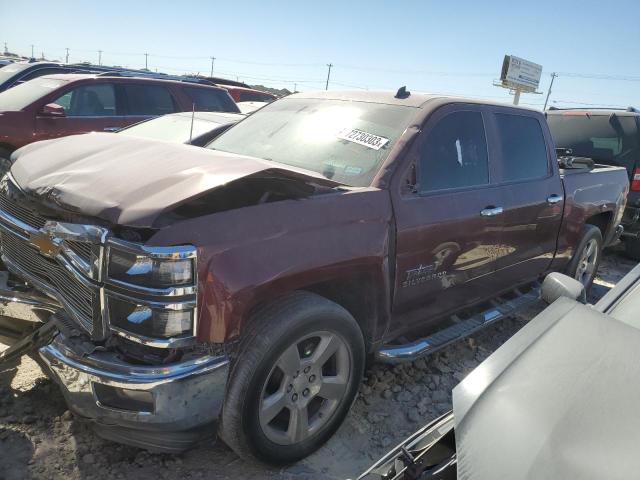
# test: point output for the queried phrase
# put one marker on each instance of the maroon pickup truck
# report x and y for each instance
(244, 284)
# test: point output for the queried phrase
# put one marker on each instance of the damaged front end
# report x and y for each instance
(120, 339)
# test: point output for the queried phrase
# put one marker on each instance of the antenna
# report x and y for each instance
(193, 114)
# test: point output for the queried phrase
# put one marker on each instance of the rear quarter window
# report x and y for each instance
(211, 100)
(524, 150)
(152, 100)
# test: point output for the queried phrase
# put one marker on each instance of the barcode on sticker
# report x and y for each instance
(363, 138)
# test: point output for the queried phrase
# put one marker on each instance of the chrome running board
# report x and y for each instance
(500, 308)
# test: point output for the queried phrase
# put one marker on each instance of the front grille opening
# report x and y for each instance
(82, 299)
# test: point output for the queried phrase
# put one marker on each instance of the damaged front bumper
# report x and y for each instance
(156, 407)
(162, 408)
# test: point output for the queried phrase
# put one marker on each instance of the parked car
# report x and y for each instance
(247, 281)
(610, 137)
(21, 72)
(193, 128)
(555, 401)
(244, 94)
(57, 105)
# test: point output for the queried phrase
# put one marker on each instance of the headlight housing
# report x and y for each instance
(162, 267)
(160, 321)
(151, 292)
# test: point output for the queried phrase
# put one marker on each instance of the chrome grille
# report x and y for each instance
(82, 249)
(18, 211)
(81, 299)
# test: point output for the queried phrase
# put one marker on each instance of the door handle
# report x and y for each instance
(554, 199)
(110, 129)
(491, 211)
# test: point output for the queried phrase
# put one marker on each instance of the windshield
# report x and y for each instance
(26, 93)
(344, 141)
(172, 128)
(8, 71)
(608, 139)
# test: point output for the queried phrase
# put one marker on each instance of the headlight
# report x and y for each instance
(148, 320)
(150, 292)
(155, 268)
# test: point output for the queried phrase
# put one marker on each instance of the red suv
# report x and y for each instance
(244, 94)
(58, 105)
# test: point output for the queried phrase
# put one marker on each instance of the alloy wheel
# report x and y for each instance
(586, 269)
(305, 387)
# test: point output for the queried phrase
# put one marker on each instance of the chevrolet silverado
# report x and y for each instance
(242, 286)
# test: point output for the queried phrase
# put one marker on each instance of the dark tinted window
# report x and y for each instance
(148, 100)
(211, 100)
(89, 101)
(454, 153)
(39, 72)
(608, 139)
(524, 151)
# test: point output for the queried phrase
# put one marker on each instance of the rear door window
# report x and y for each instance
(454, 153)
(89, 101)
(211, 100)
(524, 150)
(148, 100)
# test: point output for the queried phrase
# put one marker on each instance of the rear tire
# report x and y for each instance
(632, 248)
(586, 259)
(288, 390)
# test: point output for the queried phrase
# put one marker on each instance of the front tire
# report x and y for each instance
(296, 375)
(586, 259)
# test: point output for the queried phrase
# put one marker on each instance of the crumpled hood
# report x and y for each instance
(130, 181)
(559, 400)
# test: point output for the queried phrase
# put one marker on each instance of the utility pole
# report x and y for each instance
(99, 57)
(295, 87)
(553, 77)
(32, 54)
(326, 87)
(213, 59)
(67, 59)
(146, 63)
(6, 50)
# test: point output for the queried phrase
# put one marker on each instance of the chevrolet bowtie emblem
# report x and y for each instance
(46, 245)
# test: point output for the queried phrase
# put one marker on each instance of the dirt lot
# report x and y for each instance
(40, 439)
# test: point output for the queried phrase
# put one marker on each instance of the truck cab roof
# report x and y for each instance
(414, 99)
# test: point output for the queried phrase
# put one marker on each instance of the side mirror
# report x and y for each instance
(52, 110)
(557, 285)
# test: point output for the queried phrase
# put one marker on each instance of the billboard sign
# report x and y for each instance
(520, 74)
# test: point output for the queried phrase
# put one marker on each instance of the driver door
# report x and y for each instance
(87, 108)
(448, 229)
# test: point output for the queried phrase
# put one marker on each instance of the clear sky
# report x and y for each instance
(444, 46)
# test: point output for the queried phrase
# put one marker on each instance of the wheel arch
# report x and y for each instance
(363, 294)
(601, 220)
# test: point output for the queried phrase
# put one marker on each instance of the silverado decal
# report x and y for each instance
(422, 274)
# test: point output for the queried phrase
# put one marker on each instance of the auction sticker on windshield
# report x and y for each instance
(363, 138)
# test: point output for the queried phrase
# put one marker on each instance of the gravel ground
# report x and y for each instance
(40, 439)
